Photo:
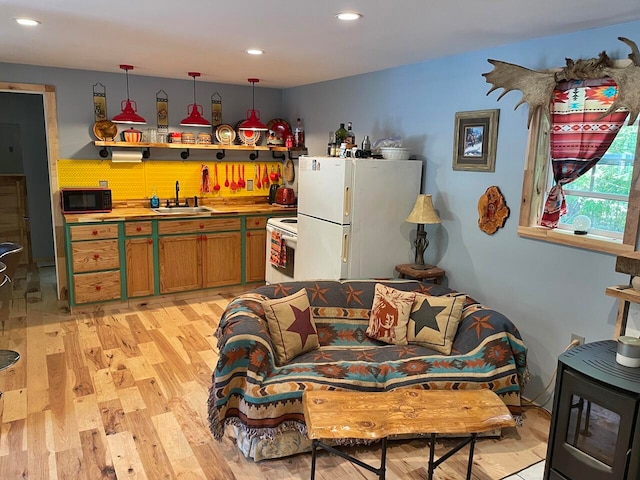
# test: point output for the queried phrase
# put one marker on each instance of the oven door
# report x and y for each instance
(284, 272)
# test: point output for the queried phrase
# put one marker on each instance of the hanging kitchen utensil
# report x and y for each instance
(289, 171)
(279, 173)
(226, 176)
(241, 182)
(258, 181)
(205, 179)
(234, 185)
(265, 178)
(216, 187)
(273, 176)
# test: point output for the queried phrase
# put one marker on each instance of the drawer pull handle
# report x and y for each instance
(202, 225)
(257, 222)
(138, 229)
(96, 256)
(95, 232)
(248, 234)
(150, 241)
(98, 287)
(204, 238)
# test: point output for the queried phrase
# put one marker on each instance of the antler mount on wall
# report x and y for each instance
(537, 87)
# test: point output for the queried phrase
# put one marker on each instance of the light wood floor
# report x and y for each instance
(122, 395)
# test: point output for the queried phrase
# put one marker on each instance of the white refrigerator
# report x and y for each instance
(351, 216)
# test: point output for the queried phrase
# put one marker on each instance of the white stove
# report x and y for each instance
(286, 228)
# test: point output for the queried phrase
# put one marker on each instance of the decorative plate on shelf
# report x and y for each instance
(278, 131)
(247, 137)
(105, 130)
(225, 134)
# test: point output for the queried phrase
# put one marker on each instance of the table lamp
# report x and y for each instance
(422, 213)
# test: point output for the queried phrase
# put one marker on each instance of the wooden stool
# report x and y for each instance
(377, 415)
(432, 273)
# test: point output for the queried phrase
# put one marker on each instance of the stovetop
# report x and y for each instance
(288, 224)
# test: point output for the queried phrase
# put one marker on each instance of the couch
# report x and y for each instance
(261, 402)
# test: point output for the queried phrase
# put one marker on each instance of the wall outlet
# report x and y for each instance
(578, 338)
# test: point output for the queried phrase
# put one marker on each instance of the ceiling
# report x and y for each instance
(303, 41)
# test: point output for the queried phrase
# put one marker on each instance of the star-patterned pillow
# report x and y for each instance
(434, 321)
(291, 326)
(390, 314)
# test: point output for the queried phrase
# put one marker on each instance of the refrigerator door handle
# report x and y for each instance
(347, 201)
(345, 248)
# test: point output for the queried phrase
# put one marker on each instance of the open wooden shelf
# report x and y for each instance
(185, 147)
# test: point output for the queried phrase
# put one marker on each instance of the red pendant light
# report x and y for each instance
(195, 118)
(129, 107)
(253, 122)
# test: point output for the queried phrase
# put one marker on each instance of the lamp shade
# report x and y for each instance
(423, 211)
(129, 108)
(253, 122)
(195, 118)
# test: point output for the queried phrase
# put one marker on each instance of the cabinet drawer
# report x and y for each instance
(93, 232)
(96, 287)
(137, 228)
(92, 256)
(200, 225)
(256, 223)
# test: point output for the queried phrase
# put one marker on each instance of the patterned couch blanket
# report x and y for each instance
(251, 392)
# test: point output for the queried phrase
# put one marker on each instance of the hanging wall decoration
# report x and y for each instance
(216, 109)
(162, 110)
(99, 102)
(492, 210)
(537, 87)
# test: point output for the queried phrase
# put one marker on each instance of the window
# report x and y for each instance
(602, 194)
(605, 194)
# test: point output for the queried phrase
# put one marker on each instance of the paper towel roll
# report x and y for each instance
(128, 156)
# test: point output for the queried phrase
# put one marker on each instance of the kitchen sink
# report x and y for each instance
(181, 210)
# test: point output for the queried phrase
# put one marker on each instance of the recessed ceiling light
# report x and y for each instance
(348, 16)
(27, 22)
(254, 51)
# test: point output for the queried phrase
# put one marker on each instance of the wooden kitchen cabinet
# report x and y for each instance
(139, 259)
(180, 263)
(95, 263)
(208, 256)
(221, 260)
(255, 244)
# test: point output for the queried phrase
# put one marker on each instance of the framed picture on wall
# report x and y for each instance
(475, 140)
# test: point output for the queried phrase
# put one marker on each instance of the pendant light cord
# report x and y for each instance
(126, 74)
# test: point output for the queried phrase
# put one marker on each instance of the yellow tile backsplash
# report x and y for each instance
(133, 181)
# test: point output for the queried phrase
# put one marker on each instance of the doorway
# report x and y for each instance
(45, 188)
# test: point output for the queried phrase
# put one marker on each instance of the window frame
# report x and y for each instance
(534, 184)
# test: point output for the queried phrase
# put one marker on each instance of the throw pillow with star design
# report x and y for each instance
(291, 326)
(433, 321)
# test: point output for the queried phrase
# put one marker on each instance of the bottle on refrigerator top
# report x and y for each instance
(299, 134)
(341, 135)
(330, 144)
(351, 137)
(366, 146)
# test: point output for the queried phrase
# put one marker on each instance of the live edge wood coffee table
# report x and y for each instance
(377, 415)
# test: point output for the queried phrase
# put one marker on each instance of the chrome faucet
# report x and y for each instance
(177, 193)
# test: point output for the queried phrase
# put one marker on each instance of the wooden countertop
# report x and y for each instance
(134, 213)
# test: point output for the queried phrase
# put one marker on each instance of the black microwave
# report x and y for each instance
(85, 200)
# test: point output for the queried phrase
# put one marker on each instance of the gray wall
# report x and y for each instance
(27, 111)
(548, 290)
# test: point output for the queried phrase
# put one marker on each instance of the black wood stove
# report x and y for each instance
(595, 433)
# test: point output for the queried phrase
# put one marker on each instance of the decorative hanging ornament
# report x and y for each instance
(216, 109)
(99, 102)
(162, 110)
